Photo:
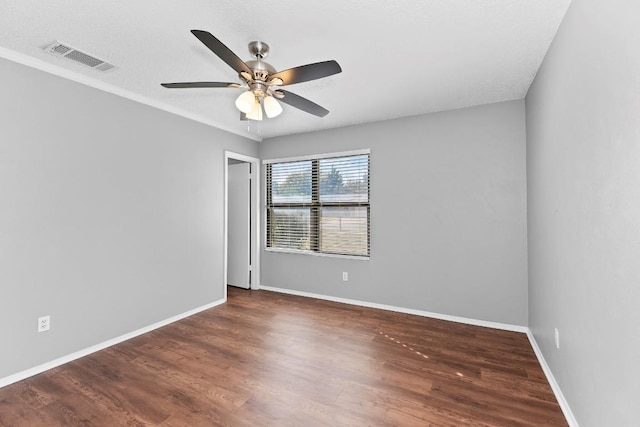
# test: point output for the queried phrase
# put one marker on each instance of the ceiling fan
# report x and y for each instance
(262, 81)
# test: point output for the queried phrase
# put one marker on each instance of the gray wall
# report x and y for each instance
(448, 215)
(583, 169)
(111, 215)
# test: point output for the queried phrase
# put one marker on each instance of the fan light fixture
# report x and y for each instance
(249, 103)
(246, 102)
(256, 111)
(272, 107)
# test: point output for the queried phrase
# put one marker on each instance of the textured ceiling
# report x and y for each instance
(399, 58)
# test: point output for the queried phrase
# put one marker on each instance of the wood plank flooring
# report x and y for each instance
(269, 359)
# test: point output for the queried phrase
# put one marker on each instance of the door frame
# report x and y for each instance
(254, 216)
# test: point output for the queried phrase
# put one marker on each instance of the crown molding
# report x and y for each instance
(38, 64)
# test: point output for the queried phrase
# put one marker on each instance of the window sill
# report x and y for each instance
(318, 254)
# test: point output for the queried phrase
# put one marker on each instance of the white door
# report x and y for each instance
(239, 225)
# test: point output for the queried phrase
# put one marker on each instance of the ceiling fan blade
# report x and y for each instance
(188, 85)
(223, 52)
(304, 73)
(303, 104)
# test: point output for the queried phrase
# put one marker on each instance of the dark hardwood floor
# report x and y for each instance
(268, 359)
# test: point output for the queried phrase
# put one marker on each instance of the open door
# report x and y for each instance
(241, 221)
(239, 230)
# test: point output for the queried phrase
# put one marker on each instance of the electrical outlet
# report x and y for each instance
(345, 276)
(557, 338)
(44, 323)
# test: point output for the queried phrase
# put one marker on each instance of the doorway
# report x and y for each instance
(242, 202)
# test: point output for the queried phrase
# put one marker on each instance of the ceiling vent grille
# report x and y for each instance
(65, 51)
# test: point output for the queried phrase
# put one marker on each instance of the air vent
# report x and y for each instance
(65, 51)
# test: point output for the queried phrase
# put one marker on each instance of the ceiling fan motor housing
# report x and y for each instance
(260, 68)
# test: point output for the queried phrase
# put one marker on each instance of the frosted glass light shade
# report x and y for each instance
(245, 101)
(256, 111)
(272, 107)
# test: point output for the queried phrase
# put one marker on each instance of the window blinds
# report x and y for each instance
(319, 205)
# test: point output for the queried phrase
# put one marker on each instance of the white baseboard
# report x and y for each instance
(466, 320)
(566, 410)
(78, 354)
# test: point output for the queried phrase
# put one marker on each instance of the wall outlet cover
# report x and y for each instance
(44, 323)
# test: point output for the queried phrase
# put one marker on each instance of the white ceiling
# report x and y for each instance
(399, 58)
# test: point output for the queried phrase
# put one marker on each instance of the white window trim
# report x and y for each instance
(317, 157)
(313, 253)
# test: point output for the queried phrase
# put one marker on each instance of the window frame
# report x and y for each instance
(315, 205)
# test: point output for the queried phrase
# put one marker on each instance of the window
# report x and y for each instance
(319, 205)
